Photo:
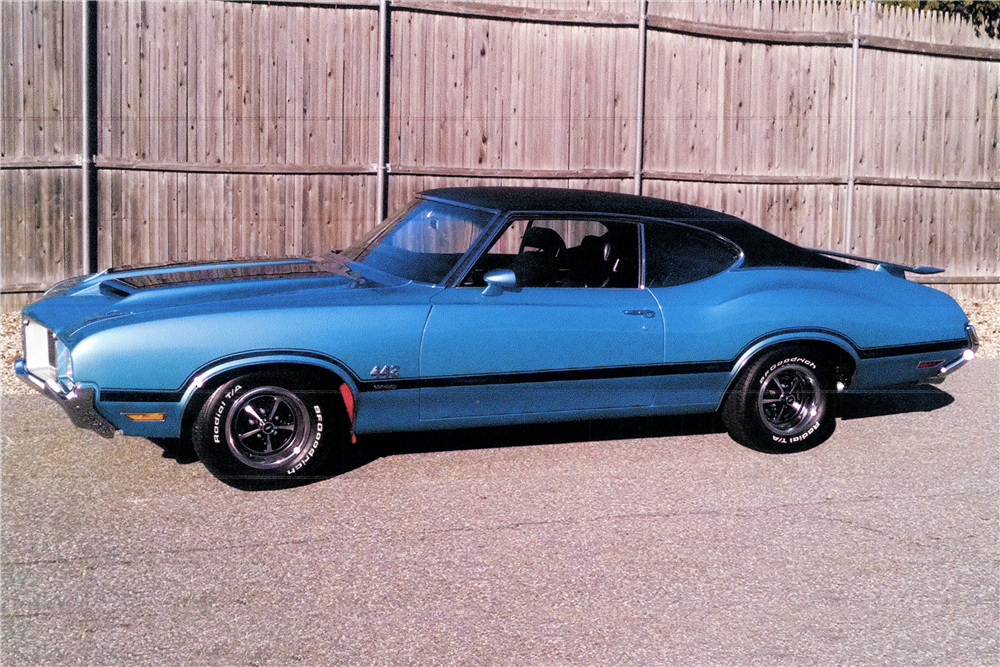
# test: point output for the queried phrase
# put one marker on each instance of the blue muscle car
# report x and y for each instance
(487, 306)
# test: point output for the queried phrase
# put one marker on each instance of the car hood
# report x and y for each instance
(131, 293)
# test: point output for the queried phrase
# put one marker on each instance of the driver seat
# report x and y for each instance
(537, 260)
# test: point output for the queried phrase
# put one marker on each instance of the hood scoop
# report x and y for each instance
(214, 274)
(115, 289)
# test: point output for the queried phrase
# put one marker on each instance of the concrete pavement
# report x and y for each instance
(648, 542)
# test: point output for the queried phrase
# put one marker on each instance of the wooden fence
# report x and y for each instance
(226, 129)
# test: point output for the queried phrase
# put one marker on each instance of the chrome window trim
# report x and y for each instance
(642, 255)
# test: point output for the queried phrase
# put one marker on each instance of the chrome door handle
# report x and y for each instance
(645, 313)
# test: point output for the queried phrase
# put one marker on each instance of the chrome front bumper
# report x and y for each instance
(78, 402)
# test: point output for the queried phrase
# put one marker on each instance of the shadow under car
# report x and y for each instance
(850, 405)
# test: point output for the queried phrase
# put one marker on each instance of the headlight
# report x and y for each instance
(64, 364)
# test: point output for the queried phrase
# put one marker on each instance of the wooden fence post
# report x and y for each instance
(89, 131)
(852, 135)
(640, 96)
(382, 169)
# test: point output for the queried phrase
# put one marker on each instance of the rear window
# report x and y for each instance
(676, 255)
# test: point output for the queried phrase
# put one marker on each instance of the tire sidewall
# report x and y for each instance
(743, 418)
(211, 430)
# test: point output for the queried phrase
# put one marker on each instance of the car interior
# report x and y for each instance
(606, 254)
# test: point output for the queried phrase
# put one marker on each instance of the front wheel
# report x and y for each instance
(267, 430)
(781, 403)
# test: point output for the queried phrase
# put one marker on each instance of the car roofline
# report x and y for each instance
(429, 196)
(760, 247)
(575, 201)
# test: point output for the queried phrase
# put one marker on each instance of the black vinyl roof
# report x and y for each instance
(760, 248)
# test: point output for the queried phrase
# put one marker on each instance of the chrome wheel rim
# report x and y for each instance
(790, 401)
(267, 428)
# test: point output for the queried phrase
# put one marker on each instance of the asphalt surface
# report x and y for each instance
(642, 542)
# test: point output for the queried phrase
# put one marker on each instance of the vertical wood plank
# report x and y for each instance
(215, 150)
(55, 140)
(202, 85)
(171, 86)
(12, 211)
(143, 76)
(35, 75)
(12, 52)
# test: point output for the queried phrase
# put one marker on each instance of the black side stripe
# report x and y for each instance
(570, 375)
(918, 348)
(140, 396)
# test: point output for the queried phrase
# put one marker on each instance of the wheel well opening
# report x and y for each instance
(842, 363)
(312, 377)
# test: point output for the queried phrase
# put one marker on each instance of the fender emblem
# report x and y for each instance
(385, 373)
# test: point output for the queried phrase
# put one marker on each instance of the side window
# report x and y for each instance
(564, 253)
(676, 255)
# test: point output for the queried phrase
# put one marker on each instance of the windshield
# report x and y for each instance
(423, 242)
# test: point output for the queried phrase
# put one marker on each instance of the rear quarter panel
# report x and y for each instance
(718, 318)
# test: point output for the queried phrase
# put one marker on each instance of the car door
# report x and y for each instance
(577, 333)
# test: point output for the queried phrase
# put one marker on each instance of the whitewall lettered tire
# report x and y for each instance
(782, 402)
(268, 429)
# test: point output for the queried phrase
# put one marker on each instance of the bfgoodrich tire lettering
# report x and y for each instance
(268, 430)
(783, 402)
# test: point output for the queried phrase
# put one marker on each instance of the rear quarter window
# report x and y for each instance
(676, 255)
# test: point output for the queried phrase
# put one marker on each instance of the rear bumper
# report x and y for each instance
(77, 402)
(967, 355)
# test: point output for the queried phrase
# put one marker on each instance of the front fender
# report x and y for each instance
(369, 410)
(221, 370)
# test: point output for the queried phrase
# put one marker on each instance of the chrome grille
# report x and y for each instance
(39, 350)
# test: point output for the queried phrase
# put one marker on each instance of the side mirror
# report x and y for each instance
(499, 281)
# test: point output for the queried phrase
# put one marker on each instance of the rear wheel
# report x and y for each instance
(782, 402)
(268, 430)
